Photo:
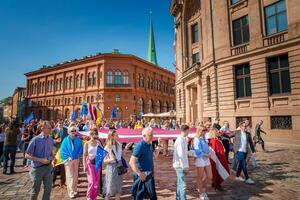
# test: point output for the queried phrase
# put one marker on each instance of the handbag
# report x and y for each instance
(122, 167)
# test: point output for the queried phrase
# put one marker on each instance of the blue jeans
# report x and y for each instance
(241, 157)
(11, 151)
(181, 185)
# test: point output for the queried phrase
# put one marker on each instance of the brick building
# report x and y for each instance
(126, 82)
(239, 59)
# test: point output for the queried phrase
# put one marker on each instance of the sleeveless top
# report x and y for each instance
(92, 150)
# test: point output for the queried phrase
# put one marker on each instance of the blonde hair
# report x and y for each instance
(199, 131)
(213, 133)
(111, 139)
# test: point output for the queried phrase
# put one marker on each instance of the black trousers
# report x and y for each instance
(1, 151)
(259, 140)
(226, 145)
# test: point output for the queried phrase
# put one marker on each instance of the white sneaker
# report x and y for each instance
(249, 181)
(202, 196)
(239, 179)
(205, 196)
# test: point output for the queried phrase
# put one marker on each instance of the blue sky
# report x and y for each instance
(44, 32)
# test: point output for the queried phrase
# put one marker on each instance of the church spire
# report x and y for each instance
(151, 47)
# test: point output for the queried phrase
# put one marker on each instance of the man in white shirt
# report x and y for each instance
(242, 143)
(181, 162)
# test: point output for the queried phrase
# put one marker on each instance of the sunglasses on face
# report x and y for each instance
(73, 131)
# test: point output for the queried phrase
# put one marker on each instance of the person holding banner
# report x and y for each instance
(218, 160)
(70, 151)
(89, 161)
(113, 181)
(141, 162)
(202, 162)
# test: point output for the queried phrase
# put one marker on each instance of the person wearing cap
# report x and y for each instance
(71, 150)
(39, 151)
(141, 162)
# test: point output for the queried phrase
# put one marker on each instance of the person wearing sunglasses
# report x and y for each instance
(71, 150)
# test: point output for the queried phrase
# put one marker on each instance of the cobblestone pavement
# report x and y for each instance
(277, 177)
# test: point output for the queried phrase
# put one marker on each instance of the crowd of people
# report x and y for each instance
(40, 140)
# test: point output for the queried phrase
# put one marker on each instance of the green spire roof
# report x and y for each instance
(151, 47)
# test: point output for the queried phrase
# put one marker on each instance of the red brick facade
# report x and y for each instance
(126, 82)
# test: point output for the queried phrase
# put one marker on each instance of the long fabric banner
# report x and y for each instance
(135, 135)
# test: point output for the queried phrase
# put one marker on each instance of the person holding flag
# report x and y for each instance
(70, 151)
(202, 163)
(218, 161)
(84, 111)
(89, 164)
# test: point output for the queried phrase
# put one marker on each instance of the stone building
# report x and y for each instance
(125, 82)
(18, 103)
(238, 59)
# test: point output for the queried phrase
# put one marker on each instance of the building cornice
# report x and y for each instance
(88, 59)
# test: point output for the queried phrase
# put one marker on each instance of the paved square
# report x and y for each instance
(277, 177)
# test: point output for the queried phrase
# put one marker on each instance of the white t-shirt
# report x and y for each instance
(243, 147)
(118, 152)
(180, 156)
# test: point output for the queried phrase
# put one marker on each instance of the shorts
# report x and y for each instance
(199, 162)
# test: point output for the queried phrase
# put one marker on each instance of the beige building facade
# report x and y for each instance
(238, 59)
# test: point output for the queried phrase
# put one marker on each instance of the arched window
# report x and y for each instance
(92, 99)
(109, 77)
(89, 83)
(52, 85)
(125, 78)
(179, 98)
(81, 81)
(141, 105)
(148, 83)
(56, 85)
(88, 99)
(49, 114)
(67, 83)
(158, 107)
(78, 113)
(67, 113)
(142, 81)
(48, 86)
(150, 106)
(77, 81)
(158, 86)
(172, 107)
(76, 100)
(94, 79)
(165, 107)
(43, 87)
(60, 84)
(70, 82)
(208, 89)
(151, 84)
(118, 77)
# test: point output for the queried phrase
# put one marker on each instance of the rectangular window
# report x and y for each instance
(275, 17)
(240, 29)
(238, 120)
(243, 81)
(195, 33)
(234, 2)
(195, 58)
(279, 74)
(281, 122)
